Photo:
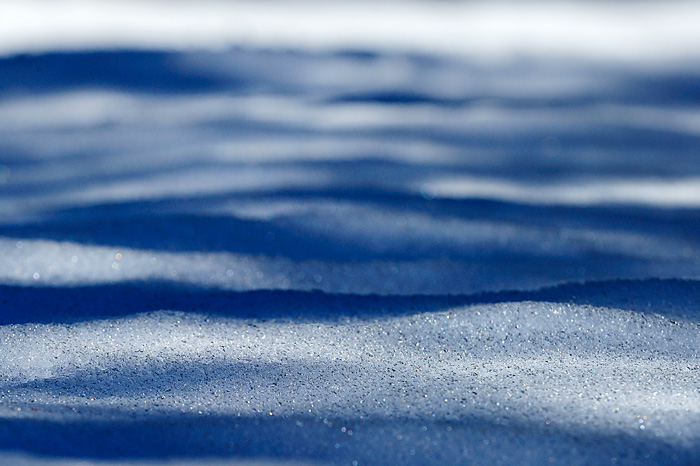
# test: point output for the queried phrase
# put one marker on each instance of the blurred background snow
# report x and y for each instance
(626, 31)
(391, 147)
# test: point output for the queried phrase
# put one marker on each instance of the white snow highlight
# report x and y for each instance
(635, 31)
(681, 193)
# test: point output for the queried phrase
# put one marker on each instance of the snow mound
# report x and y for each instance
(509, 381)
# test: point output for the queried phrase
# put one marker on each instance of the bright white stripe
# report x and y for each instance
(651, 192)
(485, 30)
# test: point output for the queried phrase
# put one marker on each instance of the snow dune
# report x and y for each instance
(301, 233)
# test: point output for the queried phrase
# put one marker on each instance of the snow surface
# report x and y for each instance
(349, 233)
(630, 31)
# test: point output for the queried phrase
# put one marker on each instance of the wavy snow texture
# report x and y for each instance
(349, 255)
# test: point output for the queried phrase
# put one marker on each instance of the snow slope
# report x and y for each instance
(343, 233)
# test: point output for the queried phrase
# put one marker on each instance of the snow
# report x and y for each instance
(677, 193)
(485, 30)
(334, 377)
(349, 233)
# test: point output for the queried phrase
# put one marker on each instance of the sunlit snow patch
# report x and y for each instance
(671, 193)
(634, 32)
